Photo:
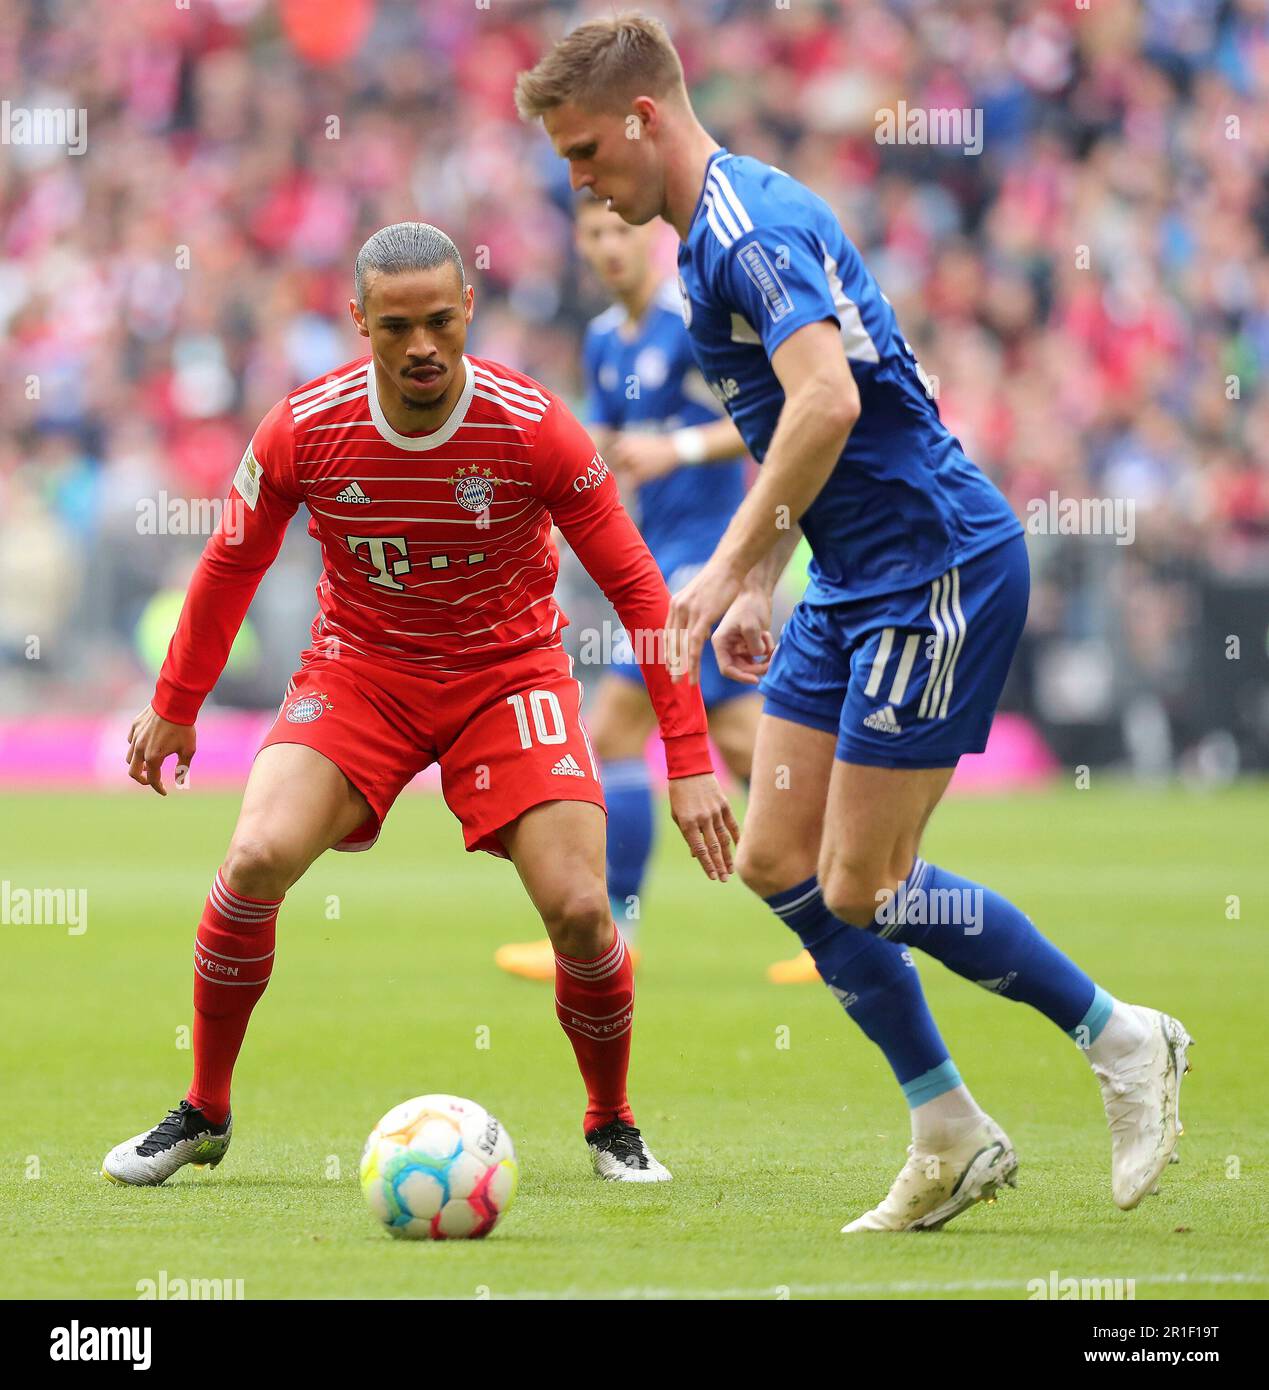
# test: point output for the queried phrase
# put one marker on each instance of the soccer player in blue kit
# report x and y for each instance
(892, 665)
(680, 461)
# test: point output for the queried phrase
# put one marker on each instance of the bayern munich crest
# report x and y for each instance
(306, 709)
(473, 494)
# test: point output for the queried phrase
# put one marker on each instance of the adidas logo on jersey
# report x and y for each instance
(352, 493)
(883, 721)
(567, 767)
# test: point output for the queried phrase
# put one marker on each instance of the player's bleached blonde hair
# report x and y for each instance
(601, 65)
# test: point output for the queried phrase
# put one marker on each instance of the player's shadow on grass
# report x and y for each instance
(213, 1186)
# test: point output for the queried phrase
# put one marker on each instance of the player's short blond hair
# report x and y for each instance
(601, 66)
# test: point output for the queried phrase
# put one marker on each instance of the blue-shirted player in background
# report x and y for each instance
(680, 463)
(892, 665)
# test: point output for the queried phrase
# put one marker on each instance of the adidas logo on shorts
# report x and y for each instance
(567, 767)
(883, 721)
(352, 493)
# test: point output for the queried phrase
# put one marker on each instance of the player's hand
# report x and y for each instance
(150, 741)
(638, 458)
(704, 817)
(742, 641)
(694, 610)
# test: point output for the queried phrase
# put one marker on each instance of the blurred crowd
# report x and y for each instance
(1090, 292)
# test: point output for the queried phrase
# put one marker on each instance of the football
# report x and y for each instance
(439, 1168)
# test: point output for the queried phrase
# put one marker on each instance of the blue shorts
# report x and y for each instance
(715, 687)
(909, 679)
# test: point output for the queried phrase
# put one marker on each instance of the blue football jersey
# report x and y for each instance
(642, 377)
(765, 256)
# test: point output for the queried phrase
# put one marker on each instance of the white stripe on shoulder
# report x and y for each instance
(856, 340)
(318, 407)
(723, 211)
(526, 395)
(730, 194)
(506, 405)
(331, 384)
(715, 225)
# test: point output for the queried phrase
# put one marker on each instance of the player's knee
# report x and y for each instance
(853, 890)
(258, 866)
(579, 921)
(767, 869)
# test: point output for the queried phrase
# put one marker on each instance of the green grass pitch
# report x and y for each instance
(778, 1120)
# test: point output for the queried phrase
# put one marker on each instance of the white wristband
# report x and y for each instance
(689, 445)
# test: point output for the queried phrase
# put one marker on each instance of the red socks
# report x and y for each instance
(594, 1001)
(233, 958)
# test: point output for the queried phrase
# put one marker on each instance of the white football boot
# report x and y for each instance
(184, 1136)
(933, 1188)
(619, 1154)
(1142, 1095)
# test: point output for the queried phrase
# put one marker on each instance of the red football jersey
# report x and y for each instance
(436, 548)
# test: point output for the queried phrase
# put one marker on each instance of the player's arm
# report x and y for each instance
(820, 409)
(642, 457)
(743, 642)
(585, 505)
(245, 543)
(775, 277)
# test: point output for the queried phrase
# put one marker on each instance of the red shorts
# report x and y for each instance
(507, 738)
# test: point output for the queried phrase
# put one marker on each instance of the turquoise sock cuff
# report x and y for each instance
(932, 1083)
(1086, 1030)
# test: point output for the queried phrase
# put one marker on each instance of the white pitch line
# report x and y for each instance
(773, 1291)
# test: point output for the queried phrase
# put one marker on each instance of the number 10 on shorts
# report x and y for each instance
(548, 718)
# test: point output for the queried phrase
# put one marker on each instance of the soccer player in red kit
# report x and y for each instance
(432, 480)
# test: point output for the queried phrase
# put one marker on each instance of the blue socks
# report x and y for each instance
(629, 796)
(879, 988)
(985, 938)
